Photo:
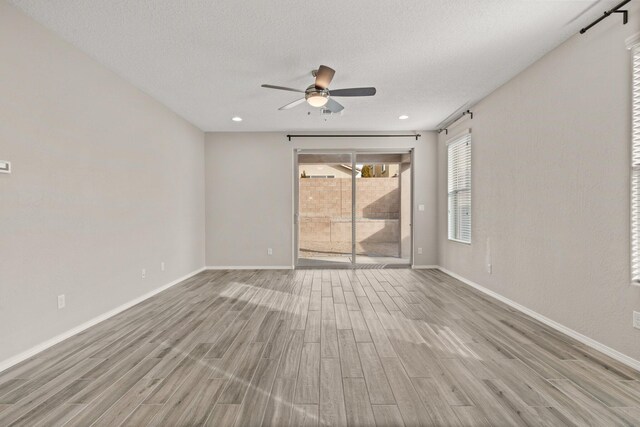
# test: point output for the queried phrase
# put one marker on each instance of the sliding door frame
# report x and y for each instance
(353, 152)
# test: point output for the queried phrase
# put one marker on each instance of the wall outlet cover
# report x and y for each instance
(636, 319)
(144, 273)
(5, 167)
(61, 302)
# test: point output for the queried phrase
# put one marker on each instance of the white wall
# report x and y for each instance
(249, 194)
(550, 171)
(105, 181)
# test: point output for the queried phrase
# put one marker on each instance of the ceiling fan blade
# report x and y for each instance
(282, 88)
(292, 104)
(334, 106)
(354, 91)
(324, 75)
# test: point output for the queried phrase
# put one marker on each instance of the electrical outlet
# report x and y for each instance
(419, 251)
(636, 319)
(489, 268)
(421, 208)
(269, 251)
(5, 167)
(61, 302)
(144, 273)
(162, 266)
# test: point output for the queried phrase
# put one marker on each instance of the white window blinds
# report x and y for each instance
(635, 169)
(459, 188)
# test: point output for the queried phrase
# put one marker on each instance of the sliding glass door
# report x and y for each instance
(383, 208)
(324, 216)
(353, 208)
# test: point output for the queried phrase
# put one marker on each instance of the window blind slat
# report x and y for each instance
(459, 188)
(635, 169)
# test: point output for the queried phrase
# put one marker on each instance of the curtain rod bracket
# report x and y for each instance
(446, 130)
(625, 16)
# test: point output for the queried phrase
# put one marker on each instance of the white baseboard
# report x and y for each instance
(249, 267)
(422, 267)
(614, 354)
(6, 364)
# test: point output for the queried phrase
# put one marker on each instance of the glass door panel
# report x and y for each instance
(324, 209)
(383, 209)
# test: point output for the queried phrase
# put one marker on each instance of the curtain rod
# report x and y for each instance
(416, 136)
(615, 9)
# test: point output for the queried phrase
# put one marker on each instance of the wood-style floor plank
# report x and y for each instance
(223, 415)
(320, 347)
(358, 405)
(332, 407)
(256, 399)
(411, 408)
(380, 392)
(278, 412)
(305, 416)
(308, 382)
(387, 415)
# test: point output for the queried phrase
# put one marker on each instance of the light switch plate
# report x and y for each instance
(5, 167)
(421, 208)
(636, 319)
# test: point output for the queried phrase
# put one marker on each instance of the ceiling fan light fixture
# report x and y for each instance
(317, 99)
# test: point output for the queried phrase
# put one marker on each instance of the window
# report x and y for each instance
(635, 167)
(459, 188)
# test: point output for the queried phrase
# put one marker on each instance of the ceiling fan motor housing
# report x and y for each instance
(315, 96)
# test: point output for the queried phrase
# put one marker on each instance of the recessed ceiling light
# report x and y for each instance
(403, 117)
(236, 119)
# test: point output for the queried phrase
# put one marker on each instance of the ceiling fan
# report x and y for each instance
(318, 94)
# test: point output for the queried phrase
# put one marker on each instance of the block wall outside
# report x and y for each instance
(325, 210)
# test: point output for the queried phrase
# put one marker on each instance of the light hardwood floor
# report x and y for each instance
(320, 347)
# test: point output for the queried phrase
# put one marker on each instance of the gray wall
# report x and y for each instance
(249, 194)
(550, 171)
(105, 181)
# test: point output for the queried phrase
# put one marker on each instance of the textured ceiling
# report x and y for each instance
(206, 59)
